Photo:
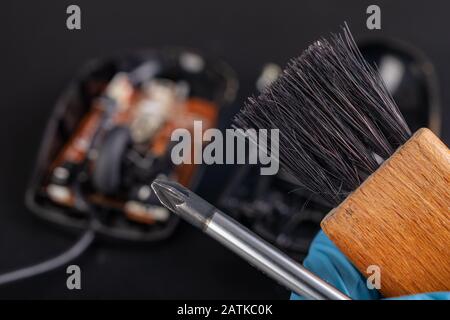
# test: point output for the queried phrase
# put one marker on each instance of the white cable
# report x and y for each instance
(76, 250)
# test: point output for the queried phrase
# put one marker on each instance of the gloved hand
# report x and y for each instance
(326, 261)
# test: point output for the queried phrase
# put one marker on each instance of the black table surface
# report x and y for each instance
(38, 56)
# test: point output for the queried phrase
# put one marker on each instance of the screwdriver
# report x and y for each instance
(243, 242)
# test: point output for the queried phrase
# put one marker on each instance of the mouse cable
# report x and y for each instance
(77, 249)
(62, 259)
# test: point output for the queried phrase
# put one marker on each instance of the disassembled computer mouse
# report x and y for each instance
(109, 137)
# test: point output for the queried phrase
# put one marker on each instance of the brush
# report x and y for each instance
(343, 138)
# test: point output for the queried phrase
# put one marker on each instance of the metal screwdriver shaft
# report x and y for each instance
(244, 242)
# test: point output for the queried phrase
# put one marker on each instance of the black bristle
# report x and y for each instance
(335, 116)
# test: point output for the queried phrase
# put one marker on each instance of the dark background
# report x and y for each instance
(38, 56)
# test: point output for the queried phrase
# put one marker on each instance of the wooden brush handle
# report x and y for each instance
(399, 219)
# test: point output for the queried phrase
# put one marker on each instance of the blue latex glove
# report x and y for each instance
(326, 261)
